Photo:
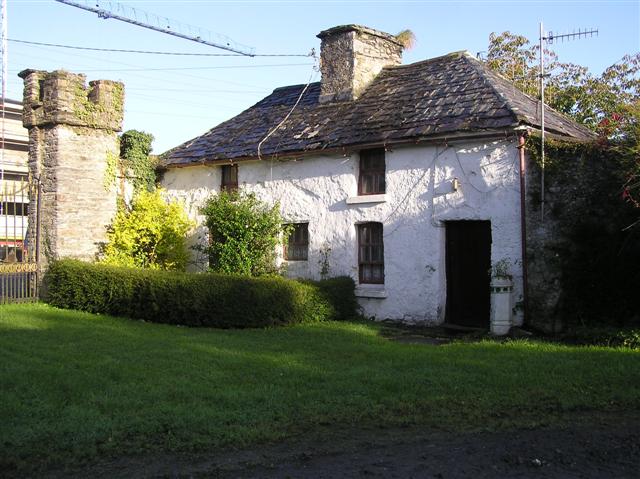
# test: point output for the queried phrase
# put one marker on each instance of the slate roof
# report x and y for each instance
(451, 94)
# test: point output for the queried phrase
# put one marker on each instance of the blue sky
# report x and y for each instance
(178, 98)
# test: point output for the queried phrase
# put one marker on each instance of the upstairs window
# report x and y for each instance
(370, 253)
(372, 170)
(229, 178)
(297, 247)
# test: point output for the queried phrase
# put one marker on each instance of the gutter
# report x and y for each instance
(522, 135)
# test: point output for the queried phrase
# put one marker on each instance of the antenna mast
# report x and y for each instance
(4, 84)
(549, 39)
(143, 19)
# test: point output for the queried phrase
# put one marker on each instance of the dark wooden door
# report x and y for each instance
(468, 259)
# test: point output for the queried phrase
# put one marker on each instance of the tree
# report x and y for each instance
(151, 233)
(569, 88)
(595, 246)
(243, 233)
(609, 104)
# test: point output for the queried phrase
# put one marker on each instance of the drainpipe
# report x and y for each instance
(523, 223)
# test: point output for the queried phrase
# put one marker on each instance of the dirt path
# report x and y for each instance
(592, 447)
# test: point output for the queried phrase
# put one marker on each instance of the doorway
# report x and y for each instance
(468, 259)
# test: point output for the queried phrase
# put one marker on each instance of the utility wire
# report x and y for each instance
(191, 90)
(153, 52)
(201, 78)
(224, 67)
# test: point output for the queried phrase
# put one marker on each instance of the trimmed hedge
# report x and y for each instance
(211, 300)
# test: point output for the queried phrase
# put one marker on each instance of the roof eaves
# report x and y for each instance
(389, 142)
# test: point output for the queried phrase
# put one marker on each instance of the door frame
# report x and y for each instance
(462, 288)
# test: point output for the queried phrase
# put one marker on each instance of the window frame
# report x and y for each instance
(226, 173)
(376, 173)
(378, 229)
(303, 227)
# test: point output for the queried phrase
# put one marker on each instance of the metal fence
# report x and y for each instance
(18, 258)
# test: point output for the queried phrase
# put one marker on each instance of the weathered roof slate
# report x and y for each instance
(451, 94)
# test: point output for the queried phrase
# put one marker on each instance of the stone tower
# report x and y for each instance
(73, 149)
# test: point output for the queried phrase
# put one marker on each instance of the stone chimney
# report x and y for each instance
(350, 58)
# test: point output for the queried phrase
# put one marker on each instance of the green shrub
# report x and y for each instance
(212, 300)
(149, 234)
(136, 160)
(243, 234)
(339, 293)
(605, 336)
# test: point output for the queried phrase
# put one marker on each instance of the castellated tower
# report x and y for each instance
(73, 149)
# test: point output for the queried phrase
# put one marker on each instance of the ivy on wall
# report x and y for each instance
(595, 246)
(136, 161)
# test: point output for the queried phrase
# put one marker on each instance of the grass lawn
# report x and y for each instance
(74, 386)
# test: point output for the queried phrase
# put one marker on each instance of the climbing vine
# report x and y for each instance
(111, 169)
(594, 244)
(136, 161)
(559, 151)
(96, 114)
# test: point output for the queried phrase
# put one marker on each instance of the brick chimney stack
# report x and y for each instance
(350, 58)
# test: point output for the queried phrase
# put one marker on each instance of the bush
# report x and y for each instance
(605, 336)
(243, 233)
(150, 234)
(211, 300)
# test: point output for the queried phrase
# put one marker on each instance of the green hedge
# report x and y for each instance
(211, 300)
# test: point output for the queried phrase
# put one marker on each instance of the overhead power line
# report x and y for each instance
(154, 52)
(182, 83)
(167, 69)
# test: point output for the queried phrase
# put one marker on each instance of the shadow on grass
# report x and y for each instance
(75, 385)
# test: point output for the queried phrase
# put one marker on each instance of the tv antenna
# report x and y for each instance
(143, 19)
(550, 38)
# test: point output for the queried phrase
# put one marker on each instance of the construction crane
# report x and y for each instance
(143, 19)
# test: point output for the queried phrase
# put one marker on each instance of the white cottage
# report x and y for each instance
(408, 178)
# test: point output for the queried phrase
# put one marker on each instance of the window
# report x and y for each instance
(14, 209)
(370, 253)
(229, 178)
(372, 171)
(12, 253)
(297, 247)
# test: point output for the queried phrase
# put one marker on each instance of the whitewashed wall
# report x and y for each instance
(419, 198)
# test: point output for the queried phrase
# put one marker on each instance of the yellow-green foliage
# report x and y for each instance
(149, 234)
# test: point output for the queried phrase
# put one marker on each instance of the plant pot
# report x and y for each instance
(501, 289)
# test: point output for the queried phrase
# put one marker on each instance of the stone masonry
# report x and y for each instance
(350, 58)
(73, 146)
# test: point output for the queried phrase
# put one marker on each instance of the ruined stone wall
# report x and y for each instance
(582, 262)
(546, 243)
(351, 57)
(73, 146)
